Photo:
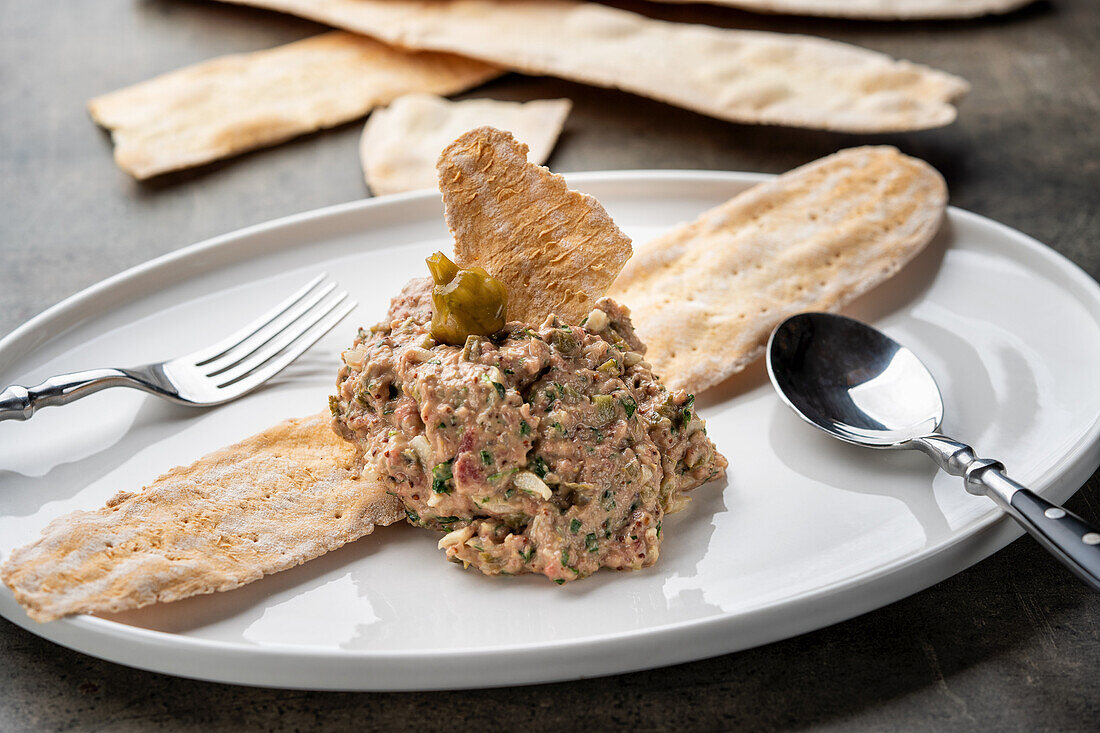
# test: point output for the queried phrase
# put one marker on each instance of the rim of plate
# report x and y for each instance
(1087, 289)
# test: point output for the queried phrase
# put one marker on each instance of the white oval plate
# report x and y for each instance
(805, 533)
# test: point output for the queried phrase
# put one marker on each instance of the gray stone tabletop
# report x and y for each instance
(1010, 644)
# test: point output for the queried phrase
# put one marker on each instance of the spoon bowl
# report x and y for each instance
(853, 381)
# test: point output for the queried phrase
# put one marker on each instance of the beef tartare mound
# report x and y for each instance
(549, 448)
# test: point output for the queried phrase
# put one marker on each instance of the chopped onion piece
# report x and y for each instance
(456, 537)
(417, 355)
(423, 450)
(597, 321)
(527, 481)
(354, 358)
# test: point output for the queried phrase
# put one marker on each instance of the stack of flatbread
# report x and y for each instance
(391, 48)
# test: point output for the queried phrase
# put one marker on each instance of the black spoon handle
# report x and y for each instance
(1067, 536)
(1064, 534)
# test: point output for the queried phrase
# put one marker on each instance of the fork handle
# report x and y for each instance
(19, 403)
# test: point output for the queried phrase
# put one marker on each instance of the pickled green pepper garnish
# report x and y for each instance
(465, 302)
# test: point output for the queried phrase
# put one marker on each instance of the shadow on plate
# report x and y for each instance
(894, 295)
(902, 475)
(155, 420)
(247, 604)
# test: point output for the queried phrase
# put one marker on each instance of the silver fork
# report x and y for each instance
(219, 373)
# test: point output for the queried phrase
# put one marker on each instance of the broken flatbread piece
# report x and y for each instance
(268, 503)
(555, 250)
(743, 76)
(401, 143)
(706, 295)
(231, 104)
(875, 9)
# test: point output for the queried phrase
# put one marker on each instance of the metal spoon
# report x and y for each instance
(857, 384)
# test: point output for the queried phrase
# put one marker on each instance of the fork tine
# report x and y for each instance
(273, 348)
(265, 334)
(306, 339)
(208, 354)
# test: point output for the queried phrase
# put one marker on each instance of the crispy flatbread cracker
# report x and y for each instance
(743, 76)
(401, 143)
(874, 9)
(268, 503)
(706, 295)
(555, 250)
(231, 104)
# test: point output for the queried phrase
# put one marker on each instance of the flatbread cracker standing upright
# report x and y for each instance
(231, 104)
(555, 250)
(401, 143)
(706, 295)
(273, 501)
